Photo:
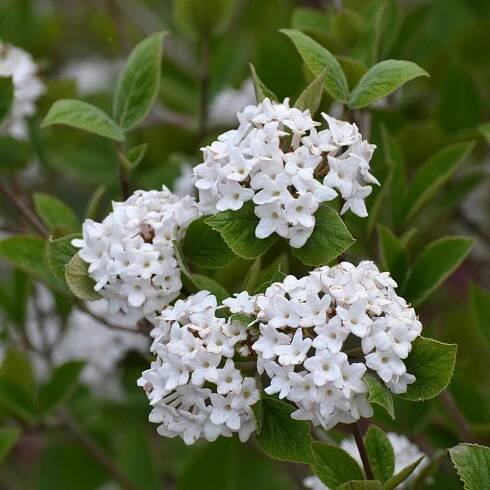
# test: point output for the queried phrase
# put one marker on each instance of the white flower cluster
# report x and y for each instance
(131, 253)
(226, 104)
(405, 453)
(320, 334)
(194, 387)
(280, 161)
(16, 63)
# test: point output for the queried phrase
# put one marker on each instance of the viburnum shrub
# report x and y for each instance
(262, 309)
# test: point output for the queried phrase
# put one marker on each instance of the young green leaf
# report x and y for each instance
(480, 303)
(402, 475)
(139, 82)
(432, 363)
(275, 274)
(205, 247)
(261, 89)
(433, 175)
(278, 435)
(59, 387)
(55, 213)
(8, 438)
(317, 58)
(78, 280)
(59, 252)
(329, 239)
(311, 96)
(134, 156)
(6, 96)
(94, 202)
(81, 115)
(434, 265)
(27, 252)
(472, 462)
(238, 230)
(379, 394)
(201, 20)
(380, 453)
(394, 256)
(333, 465)
(382, 79)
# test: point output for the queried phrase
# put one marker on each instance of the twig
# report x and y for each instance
(83, 307)
(356, 431)
(97, 452)
(123, 171)
(455, 414)
(20, 204)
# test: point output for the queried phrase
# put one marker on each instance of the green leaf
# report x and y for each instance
(329, 239)
(16, 401)
(434, 265)
(380, 453)
(433, 174)
(60, 386)
(402, 475)
(317, 59)
(55, 213)
(311, 96)
(6, 96)
(261, 89)
(8, 438)
(379, 394)
(238, 230)
(27, 252)
(394, 256)
(361, 485)
(139, 82)
(480, 303)
(206, 283)
(205, 247)
(432, 363)
(278, 435)
(17, 369)
(472, 463)
(200, 20)
(81, 115)
(333, 465)
(78, 280)
(382, 79)
(59, 253)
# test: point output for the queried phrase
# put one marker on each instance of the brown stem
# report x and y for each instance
(96, 451)
(21, 205)
(204, 88)
(356, 431)
(455, 414)
(83, 307)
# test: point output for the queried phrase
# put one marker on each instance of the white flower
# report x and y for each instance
(131, 256)
(318, 336)
(193, 385)
(278, 159)
(19, 65)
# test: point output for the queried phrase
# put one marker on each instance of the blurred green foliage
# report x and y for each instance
(447, 38)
